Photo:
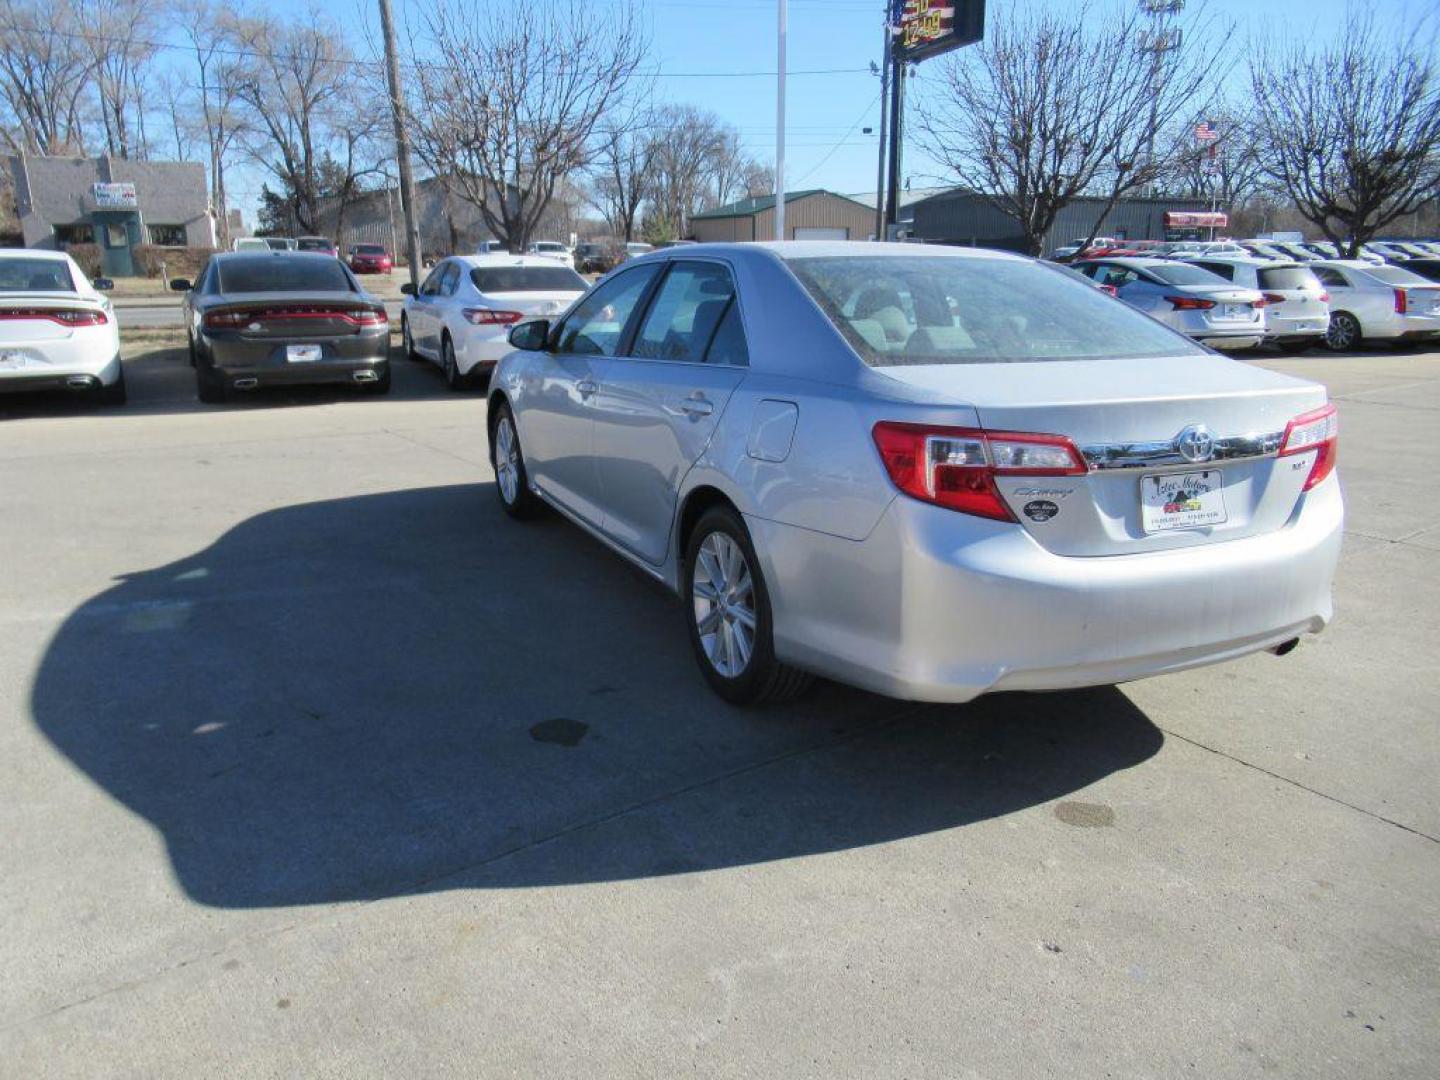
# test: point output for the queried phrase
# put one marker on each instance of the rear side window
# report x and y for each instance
(1185, 274)
(269, 273)
(1288, 277)
(35, 275)
(686, 313)
(1224, 270)
(899, 309)
(508, 279)
(1331, 277)
(728, 345)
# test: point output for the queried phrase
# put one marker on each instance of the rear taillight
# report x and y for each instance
(1402, 301)
(1274, 298)
(1190, 303)
(1318, 431)
(63, 316)
(1325, 298)
(956, 467)
(480, 316)
(239, 318)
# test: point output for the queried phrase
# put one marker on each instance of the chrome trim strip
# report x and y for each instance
(1144, 455)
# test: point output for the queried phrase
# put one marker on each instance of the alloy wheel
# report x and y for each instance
(1342, 333)
(723, 604)
(507, 460)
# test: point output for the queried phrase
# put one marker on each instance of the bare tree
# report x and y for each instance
(620, 179)
(119, 34)
(300, 69)
(686, 144)
(212, 37)
(1053, 105)
(44, 70)
(515, 96)
(1351, 130)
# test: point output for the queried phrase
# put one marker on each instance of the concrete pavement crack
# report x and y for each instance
(1297, 784)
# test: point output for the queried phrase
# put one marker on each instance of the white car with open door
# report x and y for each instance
(463, 311)
(57, 330)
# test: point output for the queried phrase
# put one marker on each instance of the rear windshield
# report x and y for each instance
(505, 279)
(272, 273)
(1185, 274)
(315, 245)
(1395, 275)
(369, 249)
(1288, 277)
(936, 310)
(35, 275)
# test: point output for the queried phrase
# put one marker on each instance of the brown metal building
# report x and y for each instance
(815, 214)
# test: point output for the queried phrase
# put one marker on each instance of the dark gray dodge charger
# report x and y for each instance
(282, 318)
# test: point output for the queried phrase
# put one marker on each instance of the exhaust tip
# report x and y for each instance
(246, 384)
(81, 382)
(1285, 648)
(364, 376)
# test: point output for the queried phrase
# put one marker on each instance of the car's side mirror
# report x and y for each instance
(104, 284)
(407, 289)
(180, 284)
(530, 336)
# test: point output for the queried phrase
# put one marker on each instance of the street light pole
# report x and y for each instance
(884, 118)
(402, 144)
(780, 124)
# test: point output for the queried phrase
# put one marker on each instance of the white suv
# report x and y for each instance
(1297, 307)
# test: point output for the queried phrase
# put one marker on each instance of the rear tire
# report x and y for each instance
(453, 379)
(1344, 332)
(407, 342)
(512, 482)
(209, 388)
(728, 615)
(114, 394)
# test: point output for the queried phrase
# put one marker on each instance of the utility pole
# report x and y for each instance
(897, 114)
(402, 143)
(1160, 39)
(780, 123)
(884, 116)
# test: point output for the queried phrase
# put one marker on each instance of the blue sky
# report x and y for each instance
(826, 113)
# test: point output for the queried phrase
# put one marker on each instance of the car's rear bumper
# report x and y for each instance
(939, 607)
(481, 352)
(65, 373)
(250, 363)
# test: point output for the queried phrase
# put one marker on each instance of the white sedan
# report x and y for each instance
(553, 249)
(57, 331)
(1369, 303)
(460, 317)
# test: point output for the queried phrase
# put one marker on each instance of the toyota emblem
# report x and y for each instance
(1195, 443)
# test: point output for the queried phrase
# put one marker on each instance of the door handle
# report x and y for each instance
(586, 387)
(696, 406)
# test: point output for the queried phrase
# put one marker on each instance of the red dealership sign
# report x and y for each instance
(1196, 219)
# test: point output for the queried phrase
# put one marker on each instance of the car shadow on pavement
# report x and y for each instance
(406, 692)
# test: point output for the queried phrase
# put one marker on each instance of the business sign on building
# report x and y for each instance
(926, 28)
(114, 196)
(1196, 219)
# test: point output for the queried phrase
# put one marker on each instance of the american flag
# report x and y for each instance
(1205, 132)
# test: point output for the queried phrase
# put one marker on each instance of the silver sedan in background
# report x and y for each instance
(869, 462)
(1185, 297)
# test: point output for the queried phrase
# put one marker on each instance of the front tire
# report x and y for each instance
(1344, 332)
(729, 618)
(512, 482)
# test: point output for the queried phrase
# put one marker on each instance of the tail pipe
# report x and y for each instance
(364, 376)
(1285, 648)
(81, 382)
(246, 384)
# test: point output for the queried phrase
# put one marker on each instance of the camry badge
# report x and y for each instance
(1195, 443)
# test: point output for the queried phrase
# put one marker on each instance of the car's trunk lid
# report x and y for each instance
(285, 315)
(37, 317)
(533, 304)
(1126, 416)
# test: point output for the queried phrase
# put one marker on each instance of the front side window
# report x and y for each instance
(450, 280)
(595, 327)
(686, 313)
(432, 283)
(902, 309)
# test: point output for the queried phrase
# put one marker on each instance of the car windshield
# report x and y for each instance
(1288, 277)
(546, 245)
(369, 249)
(938, 310)
(315, 245)
(1185, 274)
(35, 275)
(508, 279)
(1394, 275)
(278, 274)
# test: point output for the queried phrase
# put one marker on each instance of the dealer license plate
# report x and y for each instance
(1236, 311)
(302, 354)
(1182, 501)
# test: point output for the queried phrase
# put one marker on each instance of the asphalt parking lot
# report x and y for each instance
(314, 764)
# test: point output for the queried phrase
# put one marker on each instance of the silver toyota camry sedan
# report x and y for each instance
(924, 471)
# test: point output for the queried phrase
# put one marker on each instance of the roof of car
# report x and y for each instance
(1347, 264)
(477, 262)
(272, 253)
(34, 253)
(1241, 260)
(825, 249)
